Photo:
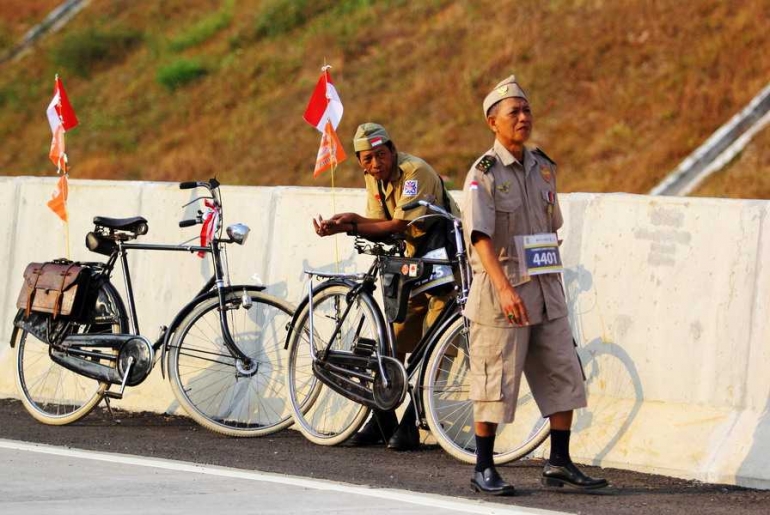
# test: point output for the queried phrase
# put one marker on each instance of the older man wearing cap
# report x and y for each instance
(516, 303)
(394, 179)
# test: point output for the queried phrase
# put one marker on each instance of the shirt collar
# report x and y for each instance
(507, 158)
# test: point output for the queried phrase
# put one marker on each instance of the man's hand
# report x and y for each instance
(346, 218)
(323, 227)
(513, 306)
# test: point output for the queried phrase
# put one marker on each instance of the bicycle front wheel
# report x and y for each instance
(324, 416)
(219, 391)
(449, 411)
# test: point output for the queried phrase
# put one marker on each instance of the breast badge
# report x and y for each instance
(545, 171)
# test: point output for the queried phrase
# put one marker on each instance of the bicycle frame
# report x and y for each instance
(365, 282)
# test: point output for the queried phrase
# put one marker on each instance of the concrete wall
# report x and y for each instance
(668, 301)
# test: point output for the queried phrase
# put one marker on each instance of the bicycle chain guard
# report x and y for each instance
(341, 372)
(390, 397)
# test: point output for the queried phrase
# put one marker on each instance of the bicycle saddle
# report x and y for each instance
(137, 224)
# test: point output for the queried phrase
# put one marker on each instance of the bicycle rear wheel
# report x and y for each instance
(449, 411)
(55, 395)
(217, 390)
(321, 414)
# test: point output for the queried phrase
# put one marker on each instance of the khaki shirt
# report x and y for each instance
(504, 198)
(414, 179)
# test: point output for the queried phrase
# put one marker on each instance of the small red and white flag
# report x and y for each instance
(325, 104)
(330, 153)
(210, 218)
(61, 118)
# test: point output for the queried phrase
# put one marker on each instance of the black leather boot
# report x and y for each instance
(569, 475)
(378, 430)
(407, 435)
(490, 482)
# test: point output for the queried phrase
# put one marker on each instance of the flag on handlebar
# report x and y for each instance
(325, 104)
(210, 219)
(330, 153)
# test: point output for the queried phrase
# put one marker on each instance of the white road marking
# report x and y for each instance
(431, 500)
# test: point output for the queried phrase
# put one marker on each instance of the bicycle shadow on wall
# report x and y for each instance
(753, 471)
(613, 385)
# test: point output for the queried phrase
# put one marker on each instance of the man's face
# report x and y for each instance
(513, 122)
(378, 162)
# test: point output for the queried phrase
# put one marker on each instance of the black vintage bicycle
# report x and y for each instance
(222, 351)
(342, 359)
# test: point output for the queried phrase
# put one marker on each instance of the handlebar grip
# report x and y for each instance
(188, 185)
(188, 223)
(413, 204)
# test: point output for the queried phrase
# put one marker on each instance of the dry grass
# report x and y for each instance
(622, 90)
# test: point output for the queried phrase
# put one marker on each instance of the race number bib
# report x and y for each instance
(441, 274)
(539, 254)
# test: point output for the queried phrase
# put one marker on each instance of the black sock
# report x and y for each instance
(485, 446)
(559, 447)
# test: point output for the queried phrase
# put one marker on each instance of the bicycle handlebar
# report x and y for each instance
(428, 201)
(211, 185)
(188, 223)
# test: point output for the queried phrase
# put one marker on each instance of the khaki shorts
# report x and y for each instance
(423, 309)
(546, 355)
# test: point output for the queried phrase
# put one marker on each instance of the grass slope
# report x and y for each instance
(176, 90)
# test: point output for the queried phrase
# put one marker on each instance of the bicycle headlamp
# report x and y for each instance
(238, 233)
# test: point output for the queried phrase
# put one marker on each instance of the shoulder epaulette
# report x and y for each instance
(540, 152)
(485, 163)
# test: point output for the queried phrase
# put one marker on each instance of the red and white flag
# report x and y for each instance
(210, 218)
(325, 104)
(330, 153)
(61, 118)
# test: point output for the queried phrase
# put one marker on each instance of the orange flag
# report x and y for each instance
(58, 202)
(331, 152)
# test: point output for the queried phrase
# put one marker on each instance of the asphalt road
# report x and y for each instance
(429, 470)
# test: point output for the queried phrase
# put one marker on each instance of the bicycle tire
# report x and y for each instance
(449, 411)
(212, 386)
(52, 394)
(322, 415)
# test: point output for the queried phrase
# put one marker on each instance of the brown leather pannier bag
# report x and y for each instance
(58, 288)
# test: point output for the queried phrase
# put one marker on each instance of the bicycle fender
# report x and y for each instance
(301, 306)
(186, 311)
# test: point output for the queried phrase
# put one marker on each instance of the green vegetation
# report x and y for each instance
(282, 16)
(6, 40)
(204, 29)
(85, 51)
(180, 72)
(621, 91)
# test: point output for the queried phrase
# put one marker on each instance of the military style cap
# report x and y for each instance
(369, 136)
(507, 88)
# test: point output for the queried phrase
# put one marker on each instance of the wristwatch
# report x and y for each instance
(354, 230)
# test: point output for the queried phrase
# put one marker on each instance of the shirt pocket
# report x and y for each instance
(486, 372)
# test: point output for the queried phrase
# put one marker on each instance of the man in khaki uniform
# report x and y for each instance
(394, 179)
(516, 303)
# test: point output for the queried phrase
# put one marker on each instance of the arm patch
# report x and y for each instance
(485, 163)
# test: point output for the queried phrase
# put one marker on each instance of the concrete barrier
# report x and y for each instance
(668, 300)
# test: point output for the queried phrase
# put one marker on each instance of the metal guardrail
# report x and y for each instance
(719, 149)
(53, 21)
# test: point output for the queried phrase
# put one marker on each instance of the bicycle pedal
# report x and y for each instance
(364, 347)
(113, 395)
